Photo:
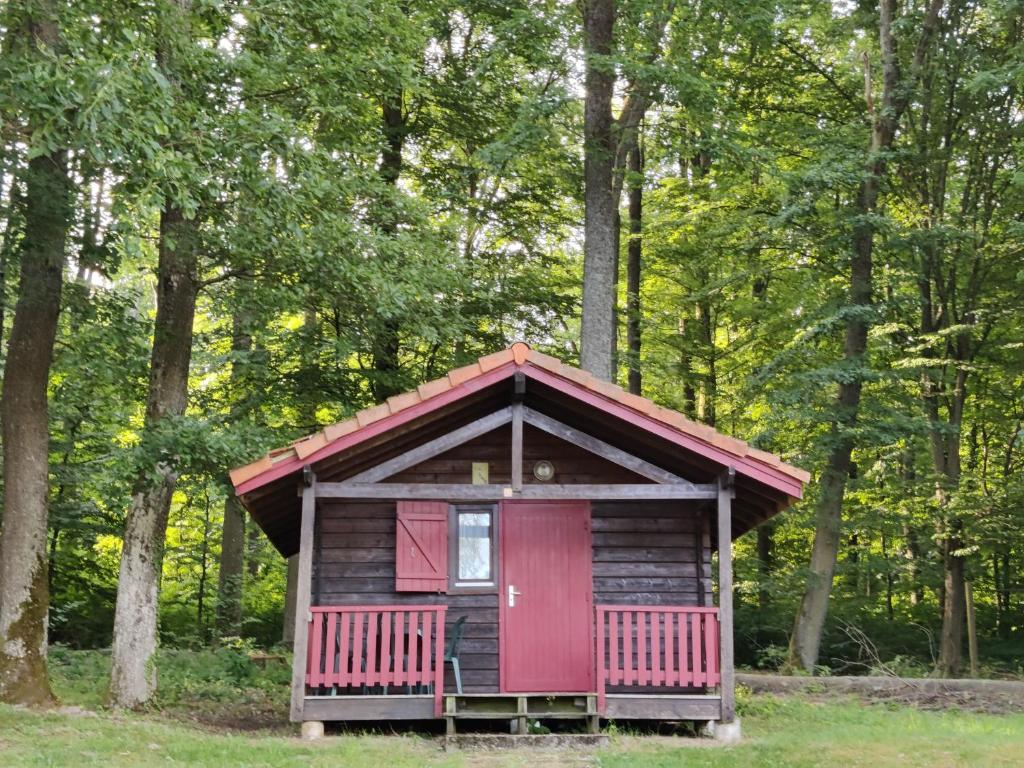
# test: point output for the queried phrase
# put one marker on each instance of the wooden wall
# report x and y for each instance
(644, 553)
(655, 553)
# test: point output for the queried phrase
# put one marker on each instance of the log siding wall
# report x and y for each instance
(643, 554)
(653, 553)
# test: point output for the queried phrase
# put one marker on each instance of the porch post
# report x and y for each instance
(302, 597)
(728, 679)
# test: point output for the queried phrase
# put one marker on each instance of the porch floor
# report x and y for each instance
(517, 707)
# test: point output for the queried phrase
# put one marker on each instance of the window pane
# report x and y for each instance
(474, 546)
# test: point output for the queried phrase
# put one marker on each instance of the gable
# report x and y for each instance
(657, 438)
(572, 464)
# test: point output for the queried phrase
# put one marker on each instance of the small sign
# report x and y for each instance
(480, 473)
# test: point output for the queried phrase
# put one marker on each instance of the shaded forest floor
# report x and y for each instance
(994, 697)
(217, 708)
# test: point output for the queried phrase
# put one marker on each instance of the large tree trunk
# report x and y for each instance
(133, 676)
(133, 671)
(386, 340)
(765, 563)
(634, 254)
(229, 581)
(597, 327)
(232, 542)
(24, 591)
(805, 641)
(291, 587)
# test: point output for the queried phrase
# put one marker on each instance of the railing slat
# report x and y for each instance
(386, 654)
(424, 673)
(331, 650)
(656, 673)
(698, 675)
(401, 649)
(613, 647)
(315, 676)
(711, 649)
(669, 649)
(344, 655)
(628, 668)
(412, 674)
(358, 654)
(641, 648)
(372, 633)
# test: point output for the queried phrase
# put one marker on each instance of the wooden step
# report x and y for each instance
(521, 707)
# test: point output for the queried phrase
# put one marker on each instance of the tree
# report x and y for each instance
(24, 587)
(132, 675)
(805, 641)
(597, 329)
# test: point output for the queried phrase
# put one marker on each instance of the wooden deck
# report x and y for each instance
(519, 707)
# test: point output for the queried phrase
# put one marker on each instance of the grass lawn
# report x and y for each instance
(184, 729)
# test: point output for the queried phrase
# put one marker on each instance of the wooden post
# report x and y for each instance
(517, 447)
(972, 628)
(728, 684)
(302, 594)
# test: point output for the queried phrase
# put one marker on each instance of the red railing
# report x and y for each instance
(377, 647)
(647, 645)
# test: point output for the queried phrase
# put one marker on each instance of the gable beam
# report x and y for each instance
(434, 447)
(457, 492)
(604, 450)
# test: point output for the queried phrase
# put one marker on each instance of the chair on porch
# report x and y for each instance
(451, 651)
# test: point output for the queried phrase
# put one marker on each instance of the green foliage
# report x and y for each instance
(272, 138)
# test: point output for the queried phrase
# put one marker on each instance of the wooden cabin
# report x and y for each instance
(516, 539)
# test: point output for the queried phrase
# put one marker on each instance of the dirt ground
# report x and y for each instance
(985, 696)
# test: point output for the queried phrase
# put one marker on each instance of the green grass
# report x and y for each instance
(208, 695)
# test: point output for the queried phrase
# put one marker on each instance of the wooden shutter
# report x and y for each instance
(421, 547)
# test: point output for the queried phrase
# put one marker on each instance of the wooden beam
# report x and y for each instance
(726, 493)
(434, 447)
(600, 448)
(370, 707)
(517, 447)
(461, 492)
(302, 595)
(662, 707)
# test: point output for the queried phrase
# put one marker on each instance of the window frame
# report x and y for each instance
(471, 587)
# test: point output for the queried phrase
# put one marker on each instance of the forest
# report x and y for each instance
(225, 224)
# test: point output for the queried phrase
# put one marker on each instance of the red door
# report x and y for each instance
(546, 620)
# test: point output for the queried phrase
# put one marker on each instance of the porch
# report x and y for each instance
(386, 662)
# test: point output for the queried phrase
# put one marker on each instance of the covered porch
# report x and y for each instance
(387, 662)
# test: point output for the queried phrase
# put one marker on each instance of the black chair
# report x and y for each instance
(451, 650)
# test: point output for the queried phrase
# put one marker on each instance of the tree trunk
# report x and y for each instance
(229, 582)
(232, 542)
(7, 241)
(291, 585)
(805, 641)
(132, 675)
(597, 327)
(709, 380)
(810, 619)
(765, 562)
(24, 592)
(634, 252)
(386, 340)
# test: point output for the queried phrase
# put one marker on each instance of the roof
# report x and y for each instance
(639, 411)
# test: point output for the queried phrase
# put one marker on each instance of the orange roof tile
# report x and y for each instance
(519, 354)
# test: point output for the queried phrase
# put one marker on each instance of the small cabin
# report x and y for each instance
(518, 540)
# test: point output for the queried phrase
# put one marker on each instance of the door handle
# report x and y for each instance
(512, 592)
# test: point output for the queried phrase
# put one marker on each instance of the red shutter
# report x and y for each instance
(421, 547)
